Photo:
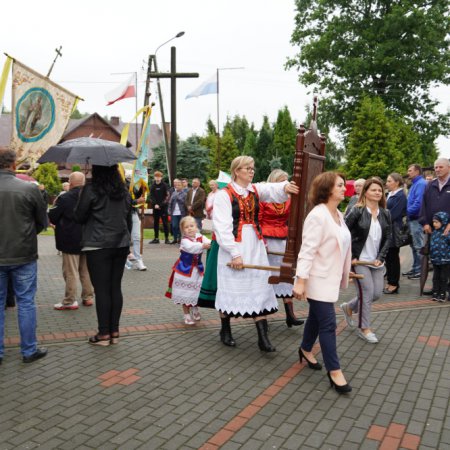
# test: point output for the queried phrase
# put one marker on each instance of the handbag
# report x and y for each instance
(401, 233)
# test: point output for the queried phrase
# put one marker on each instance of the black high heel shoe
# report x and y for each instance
(311, 365)
(344, 389)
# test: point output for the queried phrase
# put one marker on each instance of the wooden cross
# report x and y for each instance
(173, 75)
(58, 53)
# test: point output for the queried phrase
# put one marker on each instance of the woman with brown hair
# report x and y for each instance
(323, 267)
(369, 223)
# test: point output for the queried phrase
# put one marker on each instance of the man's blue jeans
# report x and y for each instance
(417, 243)
(24, 279)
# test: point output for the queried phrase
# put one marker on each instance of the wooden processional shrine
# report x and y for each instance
(309, 161)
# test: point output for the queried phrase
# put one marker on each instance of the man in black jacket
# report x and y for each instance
(68, 241)
(159, 197)
(24, 215)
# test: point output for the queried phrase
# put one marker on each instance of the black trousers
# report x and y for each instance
(160, 214)
(106, 268)
(393, 266)
(10, 297)
(441, 276)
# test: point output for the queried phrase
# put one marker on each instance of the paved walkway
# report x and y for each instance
(169, 386)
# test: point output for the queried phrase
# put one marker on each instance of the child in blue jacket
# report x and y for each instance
(440, 256)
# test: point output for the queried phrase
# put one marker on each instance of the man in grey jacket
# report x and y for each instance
(24, 215)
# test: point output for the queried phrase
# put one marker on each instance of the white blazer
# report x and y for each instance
(321, 260)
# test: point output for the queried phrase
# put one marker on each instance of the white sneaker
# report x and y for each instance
(196, 313)
(369, 337)
(139, 265)
(128, 265)
(62, 307)
(347, 316)
(188, 320)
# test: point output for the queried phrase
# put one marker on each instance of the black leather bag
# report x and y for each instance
(401, 234)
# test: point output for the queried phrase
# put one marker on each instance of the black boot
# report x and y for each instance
(225, 332)
(290, 316)
(263, 339)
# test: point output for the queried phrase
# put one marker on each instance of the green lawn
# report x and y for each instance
(148, 233)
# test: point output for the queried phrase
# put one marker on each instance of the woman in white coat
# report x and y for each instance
(323, 267)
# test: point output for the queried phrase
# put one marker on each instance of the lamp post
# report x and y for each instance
(161, 107)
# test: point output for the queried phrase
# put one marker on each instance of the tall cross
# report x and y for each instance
(58, 53)
(173, 75)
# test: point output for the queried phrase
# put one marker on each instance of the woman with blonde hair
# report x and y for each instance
(369, 223)
(244, 292)
(273, 218)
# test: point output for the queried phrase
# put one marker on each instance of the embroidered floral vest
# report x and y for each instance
(245, 211)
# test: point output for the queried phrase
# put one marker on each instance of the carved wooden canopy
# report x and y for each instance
(309, 161)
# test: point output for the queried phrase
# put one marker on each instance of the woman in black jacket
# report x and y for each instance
(104, 209)
(369, 223)
(396, 204)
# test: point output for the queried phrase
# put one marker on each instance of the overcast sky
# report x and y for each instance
(102, 38)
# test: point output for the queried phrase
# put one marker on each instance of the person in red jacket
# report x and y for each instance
(273, 219)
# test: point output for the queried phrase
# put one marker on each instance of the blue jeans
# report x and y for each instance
(417, 243)
(175, 220)
(321, 322)
(24, 280)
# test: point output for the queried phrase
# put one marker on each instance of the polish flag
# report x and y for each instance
(125, 90)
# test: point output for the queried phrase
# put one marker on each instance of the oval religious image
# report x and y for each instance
(35, 114)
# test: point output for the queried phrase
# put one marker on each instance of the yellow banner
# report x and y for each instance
(4, 79)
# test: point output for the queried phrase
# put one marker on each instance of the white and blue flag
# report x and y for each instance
(207, 87)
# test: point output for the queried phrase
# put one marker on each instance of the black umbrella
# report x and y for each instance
(86, 150)
(424, 266)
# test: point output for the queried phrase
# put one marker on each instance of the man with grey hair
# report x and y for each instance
(358, 185)
(24, 215)
(436, 197)
(195, 202)
(68, 241)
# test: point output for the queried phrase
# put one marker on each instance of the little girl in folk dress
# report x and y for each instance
(187, 272)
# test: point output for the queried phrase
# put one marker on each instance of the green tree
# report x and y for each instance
(239, 128)
(284, 135)
(372, 143)
(47, 174)
(263, 151)
(228, 151)
(250, 143)
(394, 49)
(334, 152)
(193, 159)
(211, 141)
(76, 114)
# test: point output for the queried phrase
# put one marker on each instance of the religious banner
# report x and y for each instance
(139, 177)
(41, 110)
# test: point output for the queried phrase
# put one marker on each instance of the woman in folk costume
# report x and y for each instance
(244, 292)
(273, 219)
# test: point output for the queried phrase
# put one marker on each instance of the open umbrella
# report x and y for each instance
(424, 265)
(86, 150)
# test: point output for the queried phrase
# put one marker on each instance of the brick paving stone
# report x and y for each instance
(193, 387)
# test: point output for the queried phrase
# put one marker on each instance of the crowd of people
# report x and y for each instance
(97, 231)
